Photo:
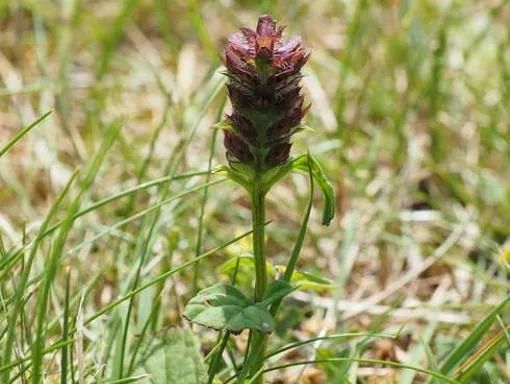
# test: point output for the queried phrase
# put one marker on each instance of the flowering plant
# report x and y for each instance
(264, 87)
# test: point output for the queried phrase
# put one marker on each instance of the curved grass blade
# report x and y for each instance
(152, 208)
(417, 353)
(136, 188)
(296, 251)
(126, 380)
(163, 276)
(17, 137)
(98, 204)
(387, 363)
(351, 335)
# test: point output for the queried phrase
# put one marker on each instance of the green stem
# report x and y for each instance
(258, 217)
(257, 341)
(258, 351)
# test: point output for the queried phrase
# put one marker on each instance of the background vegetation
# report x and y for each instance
(410, 118)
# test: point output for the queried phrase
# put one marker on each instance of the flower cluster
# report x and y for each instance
(265, 92)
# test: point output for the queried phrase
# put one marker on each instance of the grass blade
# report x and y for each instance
(23, 132)
(129, 295)
(20, 289)
(470, 342)
(475, 362)
(57, 251)
(65, 334)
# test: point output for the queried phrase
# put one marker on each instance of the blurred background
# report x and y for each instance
(409, 117)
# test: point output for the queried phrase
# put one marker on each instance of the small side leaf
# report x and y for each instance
(224, 307)
(301, 164)
(224, 125)
(238, 173)
(305, 280)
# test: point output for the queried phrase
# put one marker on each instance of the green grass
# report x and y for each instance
(110, 217)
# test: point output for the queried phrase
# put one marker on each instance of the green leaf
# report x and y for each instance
(224, 125)
(467, 346)
(238, 173)
(176, 360)
(224, 307)
(475, 362)
(243, 175)
(277, 290)
(301, 164)
(302, 280)
(273, 175)
(305, 280)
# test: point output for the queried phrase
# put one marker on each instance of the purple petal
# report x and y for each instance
(266, 26)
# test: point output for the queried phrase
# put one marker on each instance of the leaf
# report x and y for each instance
(224, 307)
(176, 360)
(276, 290)
(475, 362)
(238, 173)
(305, 280)
(470, 342)
(301, 164)
(224, 125)
(302, 280)
(243, 175)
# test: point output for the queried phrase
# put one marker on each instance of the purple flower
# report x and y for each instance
(265, 91)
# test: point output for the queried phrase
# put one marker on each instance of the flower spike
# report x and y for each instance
(265, 91)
